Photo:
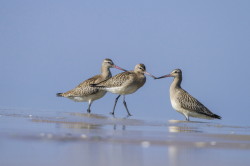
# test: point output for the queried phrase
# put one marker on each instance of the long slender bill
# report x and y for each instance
(117, 67)
(168, 75)
(150, 75)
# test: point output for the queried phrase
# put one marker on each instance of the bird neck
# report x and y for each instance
(106, 72)
(140, 78)
(139, 75)
(177, 82)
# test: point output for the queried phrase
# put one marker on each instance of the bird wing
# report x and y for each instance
(116, 81)
(84, 88)
(188, 102)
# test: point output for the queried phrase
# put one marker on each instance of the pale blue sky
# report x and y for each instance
(51, 46)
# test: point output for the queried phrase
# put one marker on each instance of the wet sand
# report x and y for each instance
(40, 137)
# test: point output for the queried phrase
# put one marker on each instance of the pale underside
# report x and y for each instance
(88, 98)
(122, 90)
(189, 106)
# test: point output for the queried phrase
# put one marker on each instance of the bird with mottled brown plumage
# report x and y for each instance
(125, 83)
(183, 102)
(84, 92)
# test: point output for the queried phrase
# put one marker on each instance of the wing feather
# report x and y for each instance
(84, 88)
(190, 103)
(116, 81)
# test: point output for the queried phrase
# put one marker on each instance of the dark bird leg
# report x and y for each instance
(88, 110)
(187, 117)
(115, 105)
(125, 104)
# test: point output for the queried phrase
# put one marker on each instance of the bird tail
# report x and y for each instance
(216, 116)
(59, 94)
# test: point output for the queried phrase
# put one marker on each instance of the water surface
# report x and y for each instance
(43, 137)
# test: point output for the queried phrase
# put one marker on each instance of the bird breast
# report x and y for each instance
(174, 99)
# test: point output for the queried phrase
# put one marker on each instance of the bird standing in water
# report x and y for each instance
(84, 92)
(125, 83)
(183, 102)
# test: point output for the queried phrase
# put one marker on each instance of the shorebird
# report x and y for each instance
(125, 83)
(183, 102)
(84, 92)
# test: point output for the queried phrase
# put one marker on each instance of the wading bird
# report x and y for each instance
(125, 83)
(183, 102)
(84, 92)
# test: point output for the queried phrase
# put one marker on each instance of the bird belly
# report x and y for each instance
(87, 98)
(122, 90)
(78, 98)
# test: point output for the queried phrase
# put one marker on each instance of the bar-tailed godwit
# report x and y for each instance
(84, 92)
(125, 83)
(183, 102)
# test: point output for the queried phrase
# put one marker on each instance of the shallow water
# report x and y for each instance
(40, 137)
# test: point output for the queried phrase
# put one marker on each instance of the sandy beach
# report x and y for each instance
(40, 137)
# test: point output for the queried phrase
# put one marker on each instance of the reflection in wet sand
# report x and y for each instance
(176, 126)
(174, 157)
(92, 139)
(123, 127)
(178, 156)
(88, 121)
(184, 121)
(99, 153)
(95, 116)
(177, 129)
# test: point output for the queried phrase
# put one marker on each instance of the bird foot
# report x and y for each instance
(129, 115)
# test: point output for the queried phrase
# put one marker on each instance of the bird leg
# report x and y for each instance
(88, 110)
(125, 104)
(187, 117)
(115, 105)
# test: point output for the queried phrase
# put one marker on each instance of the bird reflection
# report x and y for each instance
(89, 121)
(79, 125)
(96, 116)
(95, 121)
(177, 129)
(123, 127)
(177, 126)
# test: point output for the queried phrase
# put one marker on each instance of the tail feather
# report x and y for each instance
(59, 94)
(211, 116)
(216, 116)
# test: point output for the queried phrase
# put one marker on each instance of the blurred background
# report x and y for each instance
(48, 47)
